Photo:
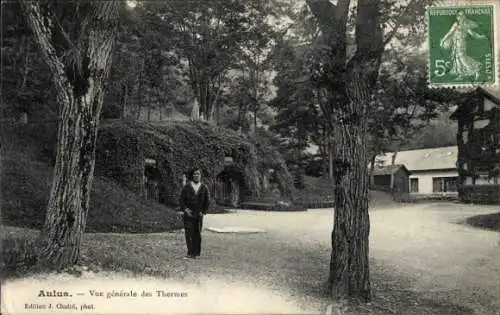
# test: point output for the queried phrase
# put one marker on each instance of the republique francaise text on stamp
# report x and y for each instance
(462, 45)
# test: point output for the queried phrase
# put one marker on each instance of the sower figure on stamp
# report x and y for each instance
(456, 40)
(194, 202)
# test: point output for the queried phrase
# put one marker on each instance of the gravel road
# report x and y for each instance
(424, 260)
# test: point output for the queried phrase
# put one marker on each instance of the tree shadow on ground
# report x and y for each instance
(388, 297)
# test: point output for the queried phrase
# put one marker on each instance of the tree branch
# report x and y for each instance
(42, 21)
(42, 26)
(368, 30)
(398, 23)
(332, 18)
(64, 35)
(323, 10)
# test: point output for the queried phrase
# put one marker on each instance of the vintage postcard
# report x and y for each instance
(250, 157)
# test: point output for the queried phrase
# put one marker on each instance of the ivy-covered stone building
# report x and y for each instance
(478, 141)
(152, 160)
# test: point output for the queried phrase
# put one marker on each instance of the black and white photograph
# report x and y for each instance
(330, 157)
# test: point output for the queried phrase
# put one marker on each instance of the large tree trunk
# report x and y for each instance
(79, 87)
(350, 94)
(349, 266)
(349, 269)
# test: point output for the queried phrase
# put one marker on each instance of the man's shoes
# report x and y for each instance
(189, 257)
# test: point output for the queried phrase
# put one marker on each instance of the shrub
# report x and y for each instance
(318, 193)
(486, 221)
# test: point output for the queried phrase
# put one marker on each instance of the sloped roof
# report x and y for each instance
(492, 93)
(388, 170)
(424, 159)
(464, 109)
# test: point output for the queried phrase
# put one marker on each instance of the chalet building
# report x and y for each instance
(478, 140)
(433, 172)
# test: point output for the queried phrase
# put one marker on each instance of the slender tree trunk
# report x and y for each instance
(215, 105)
(80, 97)
(25, 45)
(124, 104)
(372, 162)
(255, 117)
(324, 152)
(217, 113)
(256, 90)
(330, 158)
(140, 87)
(393, 158)
(372, 167)
(26, 64)
(241, 106)
(203, 99)
(195, 111)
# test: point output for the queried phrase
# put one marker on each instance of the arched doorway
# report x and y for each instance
(228, 188)
(152, 180)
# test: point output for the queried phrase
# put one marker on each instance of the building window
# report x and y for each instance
(414, 185)
(444, 184)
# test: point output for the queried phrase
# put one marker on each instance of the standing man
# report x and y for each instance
(194, 203)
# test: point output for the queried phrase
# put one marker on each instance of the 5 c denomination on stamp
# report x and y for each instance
(462, 45)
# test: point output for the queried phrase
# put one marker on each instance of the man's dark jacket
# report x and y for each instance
(197, 202)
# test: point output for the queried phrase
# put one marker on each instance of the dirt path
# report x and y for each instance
(427, 244)
(442, 257)
(423, 261)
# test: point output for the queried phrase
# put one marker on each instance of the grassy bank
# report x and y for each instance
(26, 188)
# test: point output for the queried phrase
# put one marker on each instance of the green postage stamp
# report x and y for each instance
(463, 45)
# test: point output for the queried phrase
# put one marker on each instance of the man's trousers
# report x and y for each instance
(192, 228)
